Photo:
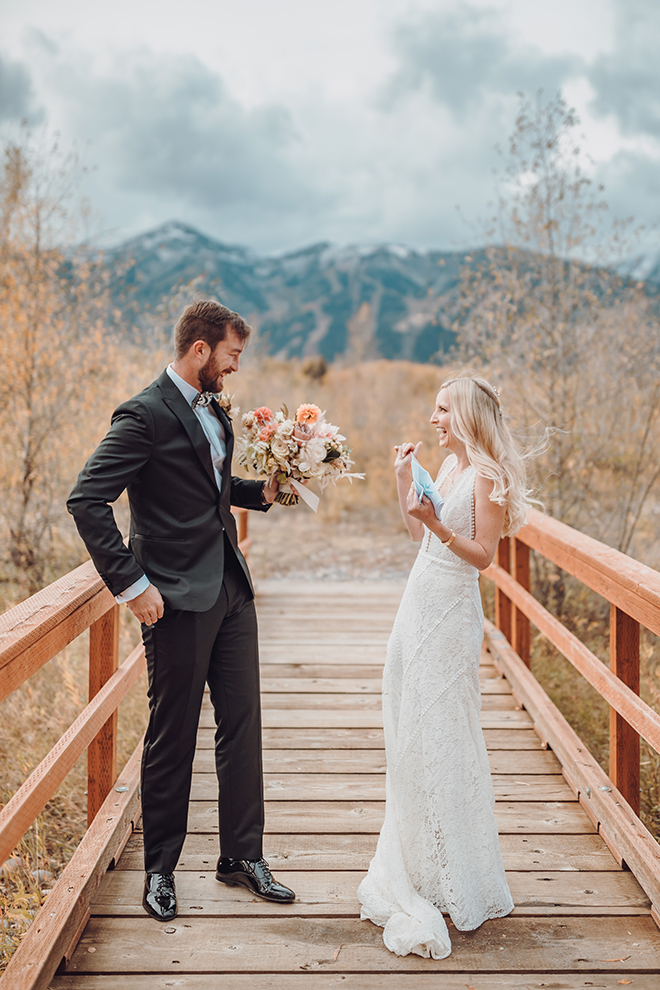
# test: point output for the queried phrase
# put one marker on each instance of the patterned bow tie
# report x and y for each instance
(203, 399)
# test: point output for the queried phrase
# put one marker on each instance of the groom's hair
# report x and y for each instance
(209, 321)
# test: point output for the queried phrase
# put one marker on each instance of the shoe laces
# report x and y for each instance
(264, 866)
(165, 883)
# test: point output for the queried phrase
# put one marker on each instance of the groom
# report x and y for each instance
(183, 576)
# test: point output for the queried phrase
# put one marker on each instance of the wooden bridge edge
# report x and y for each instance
(623, 832)
(56, 929)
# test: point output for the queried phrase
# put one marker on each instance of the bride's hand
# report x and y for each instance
(423, 510)
(403, 454)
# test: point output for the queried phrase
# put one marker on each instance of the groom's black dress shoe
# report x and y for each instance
(254, 874)
(159, 899)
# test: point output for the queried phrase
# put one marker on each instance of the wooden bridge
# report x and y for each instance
(583, 870)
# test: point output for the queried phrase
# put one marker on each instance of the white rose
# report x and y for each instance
(315, 450)
(279, 447)
(280, 451)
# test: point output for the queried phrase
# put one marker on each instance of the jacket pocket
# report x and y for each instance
(160, 539)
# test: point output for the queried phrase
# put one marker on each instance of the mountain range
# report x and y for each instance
(361, 302)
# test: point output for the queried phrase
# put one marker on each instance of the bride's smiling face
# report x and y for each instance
(441, 419)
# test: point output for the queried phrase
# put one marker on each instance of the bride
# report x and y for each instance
(438, 849)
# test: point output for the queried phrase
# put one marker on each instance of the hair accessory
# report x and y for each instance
(485, 386)
(488, 389)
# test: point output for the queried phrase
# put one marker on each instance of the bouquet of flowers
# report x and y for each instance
(294, 449)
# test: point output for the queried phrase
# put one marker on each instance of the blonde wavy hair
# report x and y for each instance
(478, 421)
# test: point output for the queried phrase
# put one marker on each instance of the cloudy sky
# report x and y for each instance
(278, 123)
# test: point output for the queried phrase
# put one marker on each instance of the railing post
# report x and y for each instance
(242, 526)
(244, 542)
(503, 608)
(624, 741)
(102, 751)
(520, 571)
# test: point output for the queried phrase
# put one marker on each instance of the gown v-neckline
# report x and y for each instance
(455, 482)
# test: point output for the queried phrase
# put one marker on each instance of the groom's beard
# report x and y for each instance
(210, 376)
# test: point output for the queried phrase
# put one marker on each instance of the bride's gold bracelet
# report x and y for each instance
(451, 539)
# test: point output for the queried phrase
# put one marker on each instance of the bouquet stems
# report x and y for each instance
(287, 498)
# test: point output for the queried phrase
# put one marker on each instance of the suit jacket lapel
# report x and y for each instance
(229, 443)
(176, 402)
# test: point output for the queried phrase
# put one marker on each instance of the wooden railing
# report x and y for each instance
(633, 591)
(31, 634)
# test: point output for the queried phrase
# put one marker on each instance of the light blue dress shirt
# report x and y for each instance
(215, 434)
(213, 429)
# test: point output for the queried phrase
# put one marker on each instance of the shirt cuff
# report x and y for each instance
(135, 589)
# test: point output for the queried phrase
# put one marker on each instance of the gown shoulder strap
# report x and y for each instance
(445, 468)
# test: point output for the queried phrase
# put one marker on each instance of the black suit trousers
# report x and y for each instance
(185, 650)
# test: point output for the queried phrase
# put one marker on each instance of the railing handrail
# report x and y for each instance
(37, 629)
(23, 624)
(33, 795)
(633, 591)
(628, 839)
(625, 582)
(627, 703)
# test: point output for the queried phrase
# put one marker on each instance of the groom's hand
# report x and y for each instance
(270, 489)
(148, 607)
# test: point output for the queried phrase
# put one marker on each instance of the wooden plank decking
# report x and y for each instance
(580, 920)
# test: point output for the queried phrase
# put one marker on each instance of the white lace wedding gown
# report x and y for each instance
(438, 848)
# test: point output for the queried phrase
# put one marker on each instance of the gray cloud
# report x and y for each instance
(16, 93)
(168, 126)
(631, 181)
(466, 55)
(169, 139)
(627, 80)
(626, 83)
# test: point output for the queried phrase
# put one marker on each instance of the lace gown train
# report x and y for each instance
(438, 848)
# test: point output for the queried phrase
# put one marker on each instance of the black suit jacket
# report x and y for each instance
(156, 449)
